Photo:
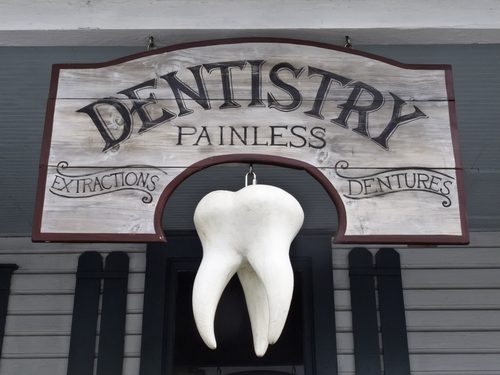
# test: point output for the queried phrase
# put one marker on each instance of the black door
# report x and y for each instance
(171, 344)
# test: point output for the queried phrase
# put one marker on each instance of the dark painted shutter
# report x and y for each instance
(153, 318)
(85, 312)
(392, 313)
(318, 248)
(5, 277)
(114, 311)
(364, 312)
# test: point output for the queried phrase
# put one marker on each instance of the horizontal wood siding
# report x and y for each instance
(452, 298)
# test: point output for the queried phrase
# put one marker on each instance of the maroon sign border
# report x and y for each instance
(159, 236)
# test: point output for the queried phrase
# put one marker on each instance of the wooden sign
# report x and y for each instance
(380, 136)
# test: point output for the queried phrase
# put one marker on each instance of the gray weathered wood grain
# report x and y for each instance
(412, 84)
(90, 133)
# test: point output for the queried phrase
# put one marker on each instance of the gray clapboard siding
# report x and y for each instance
(43, 304)
(421, 364)
(423, 321)
(487, 278)
(23, 245)
(417, 299)
(421, 342)
(452, 298)
(35, 283)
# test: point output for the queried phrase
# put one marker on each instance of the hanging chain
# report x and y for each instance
(151, 43)
(250, 175)
(348, 43)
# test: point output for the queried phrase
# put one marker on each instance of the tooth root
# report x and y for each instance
(216, 269)
(276, 274)
(258, 308)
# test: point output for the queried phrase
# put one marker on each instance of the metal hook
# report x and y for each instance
(252, 175)
(151, 43)
(348, 43)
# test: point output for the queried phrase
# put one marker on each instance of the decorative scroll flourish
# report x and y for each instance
(141, 178)
(396, 180)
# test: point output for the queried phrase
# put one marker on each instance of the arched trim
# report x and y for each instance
(255, 159)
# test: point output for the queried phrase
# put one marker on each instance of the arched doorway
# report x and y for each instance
(308, 341)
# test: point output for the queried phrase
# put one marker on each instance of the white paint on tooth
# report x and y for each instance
(248, 232)
(207, 289)
(258, 307)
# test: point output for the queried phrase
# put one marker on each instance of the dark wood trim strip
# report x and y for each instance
(45, 152)
(403, 239)
(339, 238)
(456, 153)
(85, 312)
(113, 315)
(392, 313)
(364, 312)
(6, 271)
(97, 237)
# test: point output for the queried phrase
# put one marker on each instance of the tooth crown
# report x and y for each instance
(247, 232)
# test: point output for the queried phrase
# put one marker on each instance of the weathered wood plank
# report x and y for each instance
(122, 132)
(360, 191)
(201, 134)
(414, 84)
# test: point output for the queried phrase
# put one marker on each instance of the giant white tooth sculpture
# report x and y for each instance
(247, 232)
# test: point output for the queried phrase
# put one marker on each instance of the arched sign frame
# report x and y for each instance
(39, 234)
